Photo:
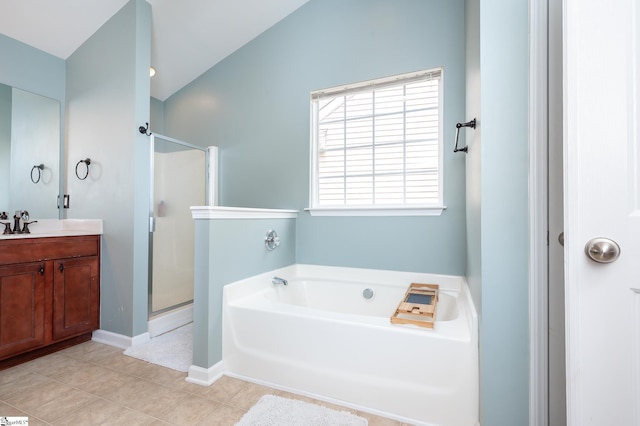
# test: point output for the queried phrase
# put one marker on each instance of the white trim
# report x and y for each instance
(177, 142)
(376, 211)
(111, 339)
(140, 339)
(633, 135)
(205, 376)
(429, 74)
(635, 355)
(219, 212)
(213, 162)
(571, 175)
(119, 340)
(538, 221)
(156, 327)
(170, 321)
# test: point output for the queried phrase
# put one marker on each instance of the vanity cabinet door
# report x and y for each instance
(75, 297)
(22, 307)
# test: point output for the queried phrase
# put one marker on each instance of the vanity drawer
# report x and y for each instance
(39, 249)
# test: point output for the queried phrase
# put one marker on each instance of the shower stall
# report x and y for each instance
(182, 175)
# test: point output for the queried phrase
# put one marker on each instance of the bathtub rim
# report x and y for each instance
(456, 283)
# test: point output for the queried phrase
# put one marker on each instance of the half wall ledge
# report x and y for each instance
(220, 212)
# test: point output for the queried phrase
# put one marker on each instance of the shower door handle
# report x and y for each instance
(152, 224)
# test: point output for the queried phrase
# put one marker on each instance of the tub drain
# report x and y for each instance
(368, 293)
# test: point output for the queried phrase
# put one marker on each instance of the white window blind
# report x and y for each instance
(378, 143)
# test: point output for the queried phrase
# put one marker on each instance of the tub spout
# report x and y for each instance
(278, 280)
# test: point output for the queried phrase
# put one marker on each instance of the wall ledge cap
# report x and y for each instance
(220, 212)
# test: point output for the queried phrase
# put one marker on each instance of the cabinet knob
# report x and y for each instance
(41, 270)
(61, 267)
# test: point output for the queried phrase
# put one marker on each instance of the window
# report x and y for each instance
(376, 147)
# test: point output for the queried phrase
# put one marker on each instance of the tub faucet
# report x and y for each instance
(278, 280)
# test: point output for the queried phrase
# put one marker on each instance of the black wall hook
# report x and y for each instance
(471, 124)
(144, 130)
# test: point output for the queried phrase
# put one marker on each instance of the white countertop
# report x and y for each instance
(58, 228)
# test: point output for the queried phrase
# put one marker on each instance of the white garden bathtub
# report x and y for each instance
(320, 336)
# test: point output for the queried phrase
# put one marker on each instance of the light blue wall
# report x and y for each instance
(35, 71)
(226, 251)
(107, 99)
(30, 69)
(142, 166)
(497, 203)
(255, 106)
(35, 139)
(5, 141)
(473, 139)
(156, 123)
(107, 83)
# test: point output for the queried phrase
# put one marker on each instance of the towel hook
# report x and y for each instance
(144, 130)
(39, 168)
(86, 161)
(471, 124)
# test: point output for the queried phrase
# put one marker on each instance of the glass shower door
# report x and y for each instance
(178, 182)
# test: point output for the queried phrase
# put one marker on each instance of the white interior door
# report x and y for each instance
(602, 199)
(556, 336)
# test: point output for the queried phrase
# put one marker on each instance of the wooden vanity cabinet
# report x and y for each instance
(22, 312)
(49, 295)
(75, 297)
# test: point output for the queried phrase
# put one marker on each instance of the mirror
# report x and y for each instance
(29, 153)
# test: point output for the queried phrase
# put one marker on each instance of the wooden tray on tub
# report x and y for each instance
(418, 306)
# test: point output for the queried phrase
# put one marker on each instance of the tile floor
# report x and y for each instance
(95, 384)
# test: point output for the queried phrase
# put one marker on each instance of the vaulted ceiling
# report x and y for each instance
(187, 36)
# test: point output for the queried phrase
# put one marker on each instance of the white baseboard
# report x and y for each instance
(170, 321)
(140, 338)
(205, 376)
(157, 326)
(118, 340)
(111, 339)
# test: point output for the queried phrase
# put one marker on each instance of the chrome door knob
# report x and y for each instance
(602, 250)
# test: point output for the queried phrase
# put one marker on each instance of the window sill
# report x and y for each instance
(376, 211)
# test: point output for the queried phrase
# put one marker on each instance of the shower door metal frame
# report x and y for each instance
(152, 218)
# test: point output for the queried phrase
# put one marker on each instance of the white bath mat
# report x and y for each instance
(173, 349)
(273, 410)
